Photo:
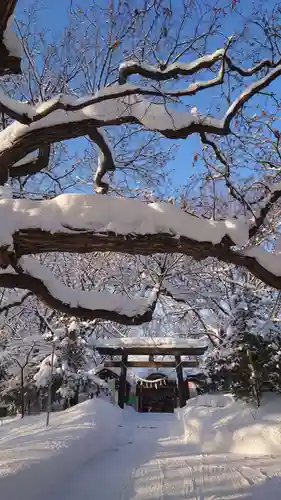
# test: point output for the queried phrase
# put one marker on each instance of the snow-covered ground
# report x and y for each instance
(34, 458)
(218, 424)
(213, 449)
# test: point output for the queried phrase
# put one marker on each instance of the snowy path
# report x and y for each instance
(150, 461)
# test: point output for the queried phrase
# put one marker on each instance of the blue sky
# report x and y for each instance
(53, 16)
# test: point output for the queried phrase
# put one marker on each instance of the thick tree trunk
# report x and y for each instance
(75, 399)
(65, 404)
(254, 379)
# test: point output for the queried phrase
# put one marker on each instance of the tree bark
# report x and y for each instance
(35, 241)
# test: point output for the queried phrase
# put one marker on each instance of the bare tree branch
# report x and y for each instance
(265, 63)
(15, 303)
(267, 204)
(226, 174)
(249, 92)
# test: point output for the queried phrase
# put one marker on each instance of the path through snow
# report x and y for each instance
(150, 461)
(106, 454)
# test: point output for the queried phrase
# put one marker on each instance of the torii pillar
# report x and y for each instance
(122, 382)
(181, 387)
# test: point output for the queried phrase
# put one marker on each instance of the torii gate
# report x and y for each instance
(157, 346)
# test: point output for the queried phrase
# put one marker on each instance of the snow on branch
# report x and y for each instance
(32, 163)
(16, 110)
(150, 342)
(10, 46)
(264, 64)
(40, 226)
(79, 303)
(167, 72)
(105, 161)
(266, 266)
(249, 92)
(266, 204)
(65, 117)
(266, 260)
(87, 223)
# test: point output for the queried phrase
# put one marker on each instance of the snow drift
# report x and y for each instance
(219, 424)
(43, 457)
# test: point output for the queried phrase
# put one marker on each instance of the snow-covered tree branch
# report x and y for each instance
(110, 113)
(64, 118)
(38, 279)
(10, 48)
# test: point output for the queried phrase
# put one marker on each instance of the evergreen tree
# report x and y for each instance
(72, 361)
(245, 360)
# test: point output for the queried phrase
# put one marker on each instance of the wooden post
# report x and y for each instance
(181, 387)
(122, 383)
(187, 391)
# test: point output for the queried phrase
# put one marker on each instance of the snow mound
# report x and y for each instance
(219, 424)
(35, 457)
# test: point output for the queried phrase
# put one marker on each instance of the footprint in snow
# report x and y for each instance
(145, 427)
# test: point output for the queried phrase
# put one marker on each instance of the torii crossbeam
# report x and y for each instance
(158, 346)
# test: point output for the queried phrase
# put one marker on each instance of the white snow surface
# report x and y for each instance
(187, 66)
(270, 261)
(34, 458)
(42, 377)
(6, 191)
(97, 380)
(15, 106)
(107, 213)
(11, 41)
(150, 341)
(26, 159)
(219, 424)
(103, 108)
(216, 449)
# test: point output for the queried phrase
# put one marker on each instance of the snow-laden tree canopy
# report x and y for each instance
(102, 222)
